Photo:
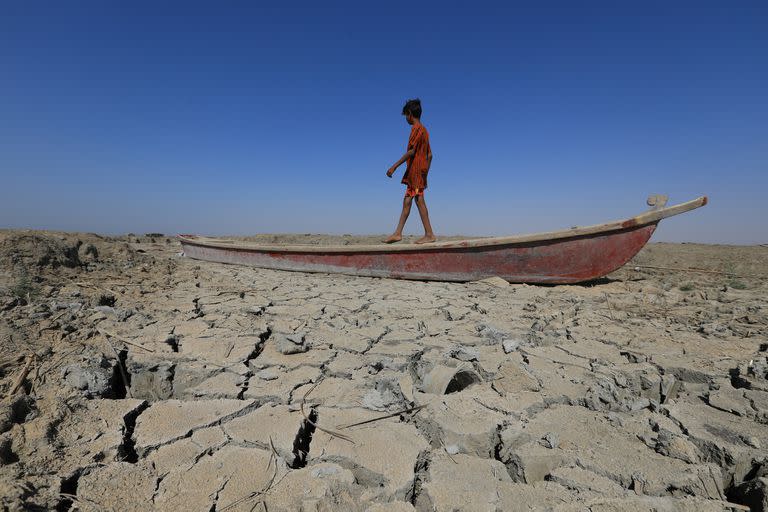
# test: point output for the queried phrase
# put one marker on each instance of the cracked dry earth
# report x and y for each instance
(163, 383)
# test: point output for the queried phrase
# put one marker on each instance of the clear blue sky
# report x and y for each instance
(228, 117)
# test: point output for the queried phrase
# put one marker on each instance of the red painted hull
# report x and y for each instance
(562, 260)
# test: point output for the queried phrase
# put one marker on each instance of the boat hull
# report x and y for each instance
(562, 260)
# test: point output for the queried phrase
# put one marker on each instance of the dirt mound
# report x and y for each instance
(36, 250)
(33, 264)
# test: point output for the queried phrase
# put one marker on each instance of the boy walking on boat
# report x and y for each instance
(418, 158)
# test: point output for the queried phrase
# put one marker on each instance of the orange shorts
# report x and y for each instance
(413, 192)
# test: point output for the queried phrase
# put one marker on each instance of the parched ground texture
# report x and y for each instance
(162, 383)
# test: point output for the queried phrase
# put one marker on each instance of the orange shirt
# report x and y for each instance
(418, 165)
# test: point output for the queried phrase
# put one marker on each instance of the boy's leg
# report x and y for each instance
(429, 236)
(398, 234)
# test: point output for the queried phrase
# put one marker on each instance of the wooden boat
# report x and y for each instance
(568, 256)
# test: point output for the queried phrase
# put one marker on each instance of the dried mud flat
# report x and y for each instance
(163, 383)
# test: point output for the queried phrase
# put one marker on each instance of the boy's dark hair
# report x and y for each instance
(413, 107)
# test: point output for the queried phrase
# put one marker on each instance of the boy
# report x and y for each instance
(419, 158)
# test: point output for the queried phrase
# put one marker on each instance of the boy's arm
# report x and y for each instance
(429, 159)
(408, 154)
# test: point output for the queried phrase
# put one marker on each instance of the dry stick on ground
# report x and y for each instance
(88, 285)
(301, 325)
(610, 309)
(556, 361)
(272, 458)
(113, 335)
(573, 354)
(229, 293)
(378, 418)
(120, 367)
(134, 344)
(318, 427)
(230, 348)
(736, 506)
(442, 442)
(274, 450)
(22, 375)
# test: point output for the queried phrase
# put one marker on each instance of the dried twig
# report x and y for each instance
(272, 446)
(556, 361)
(318, 427)
(227, 292)
(123, 340)
(301, 325)
(131, 343)
(573, 354)
(88, 285)
(736, 506)
(22, 375)
(254, 494)
(230, 348)
(610, 309)
(442, 442)
(273, 456)
(392, 415)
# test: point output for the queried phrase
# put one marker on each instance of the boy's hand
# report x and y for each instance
(391, 171)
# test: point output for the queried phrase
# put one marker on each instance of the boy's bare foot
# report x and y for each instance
(426, 239)
(392, 239)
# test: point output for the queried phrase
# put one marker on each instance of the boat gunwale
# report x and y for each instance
(643, 219)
